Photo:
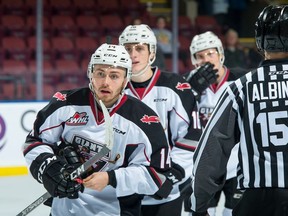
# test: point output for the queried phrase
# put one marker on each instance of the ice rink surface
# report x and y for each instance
(16, 193)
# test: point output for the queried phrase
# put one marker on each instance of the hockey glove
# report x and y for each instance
(71, 155)
(164, 190)
(53, 171)
(202, 77)
(175, 174)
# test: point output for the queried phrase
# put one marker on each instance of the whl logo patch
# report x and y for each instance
(183, 86)
(78, 119)
(150, 119)
(59, 96)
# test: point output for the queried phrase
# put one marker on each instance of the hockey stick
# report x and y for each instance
(85, 166)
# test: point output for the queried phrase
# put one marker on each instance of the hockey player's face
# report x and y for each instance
(208, 55)
(139, 54)
(108, 83)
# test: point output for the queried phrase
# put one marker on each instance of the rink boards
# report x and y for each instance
(16, 120)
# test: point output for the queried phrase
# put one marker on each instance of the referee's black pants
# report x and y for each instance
(263, 202)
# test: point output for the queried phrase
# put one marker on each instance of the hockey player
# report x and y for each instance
(207, 55)
(252, 111)
(75, 118)
(170, 96)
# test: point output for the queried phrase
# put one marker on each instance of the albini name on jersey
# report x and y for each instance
(268, 91)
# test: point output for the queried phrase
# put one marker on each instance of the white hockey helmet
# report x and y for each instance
(110, 54)
(139, 34)
(205, 41)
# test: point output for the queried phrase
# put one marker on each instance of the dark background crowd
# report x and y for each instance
(73, 29)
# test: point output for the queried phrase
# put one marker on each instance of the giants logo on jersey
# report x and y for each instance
(78, 119)
(59, 96)
(150, 119)
(183, 86)
(204, 114)
(89, 148)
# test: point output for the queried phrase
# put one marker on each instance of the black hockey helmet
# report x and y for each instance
(271, 32)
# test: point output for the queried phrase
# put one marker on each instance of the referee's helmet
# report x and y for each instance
(271, 31)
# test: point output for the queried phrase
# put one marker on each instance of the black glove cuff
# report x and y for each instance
(178, 168)
(112, 178)
(175, 174)
(37, 166)
(164, 190)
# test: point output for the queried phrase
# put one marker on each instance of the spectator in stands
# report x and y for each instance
(220, 12)
(254, 57)
(204, 7)
(236, 12)
(136, 21)
(235, 56)
(164, 36)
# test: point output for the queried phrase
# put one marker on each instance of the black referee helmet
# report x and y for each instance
(271, 32)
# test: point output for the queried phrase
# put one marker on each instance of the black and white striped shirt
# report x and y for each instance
(253, 111)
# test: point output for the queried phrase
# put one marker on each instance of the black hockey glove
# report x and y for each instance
(175, 174)
(202, 77)
(71, 155)
(164, 190)
(53, 171)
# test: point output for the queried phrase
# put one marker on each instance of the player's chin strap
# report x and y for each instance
(109, 136)
(139, 73)
(150, 62)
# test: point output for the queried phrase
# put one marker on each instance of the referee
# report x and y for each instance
(253, 111)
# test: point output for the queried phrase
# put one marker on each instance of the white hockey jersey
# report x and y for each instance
(139, 140)
(170, 96)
